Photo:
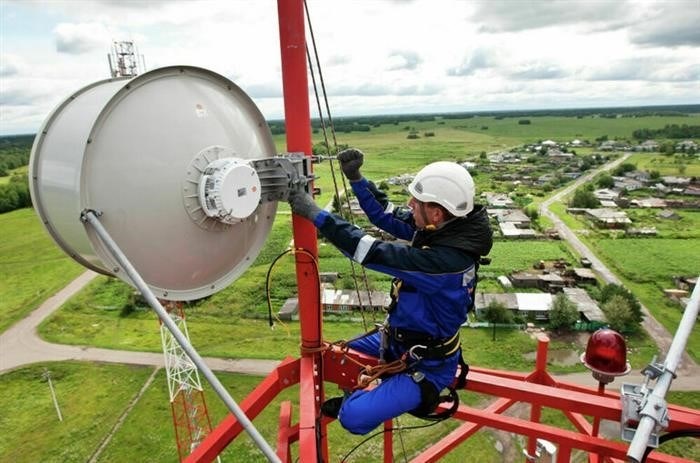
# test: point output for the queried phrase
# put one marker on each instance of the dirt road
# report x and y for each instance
(657, 331)
(20, 344)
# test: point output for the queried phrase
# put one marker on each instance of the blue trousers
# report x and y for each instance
(364, 410)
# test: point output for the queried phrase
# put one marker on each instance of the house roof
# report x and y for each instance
(585, 273)
(585, 304)
(508, 229)
(609, 215)
(649, 202)
(534, 302)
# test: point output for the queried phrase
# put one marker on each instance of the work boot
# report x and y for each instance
(331, 407)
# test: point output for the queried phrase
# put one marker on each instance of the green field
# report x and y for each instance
(32, 267)
(233, 322)
(92, 397)
(687, 166)
(647, 270)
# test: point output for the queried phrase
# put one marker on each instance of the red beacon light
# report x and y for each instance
(606, 355)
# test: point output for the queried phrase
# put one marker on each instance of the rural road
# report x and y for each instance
(21, 345)
(662, 337)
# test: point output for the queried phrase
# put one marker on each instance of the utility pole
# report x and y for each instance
(47, 376)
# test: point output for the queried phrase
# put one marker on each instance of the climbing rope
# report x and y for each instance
(368, 373)
(331, 164)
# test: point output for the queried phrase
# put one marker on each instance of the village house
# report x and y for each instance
(608, 218)
(403, 179)
(614, 145)
(677, 182)
(498, 200)
(687, 146)
(558, 156)
(550, 282)
(647, 146)
(640, 175)
(629, 184)
(546, 178)
(643, 231)
(505, 157)
(340, 301)
(668, 214)
(606, 194)
(661, 188)
(652, 203)
(538, 305)
(692, 190)
(587, 307)
(583, 275)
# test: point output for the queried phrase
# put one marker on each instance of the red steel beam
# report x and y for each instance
(564, 438)
(298, 129)
(285, 375)
(284, 431)
(459, 435)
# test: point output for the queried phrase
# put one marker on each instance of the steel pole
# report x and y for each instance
(312, 433)
(655, 403)
(91, 218)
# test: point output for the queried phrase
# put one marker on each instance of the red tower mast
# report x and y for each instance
(538, 388)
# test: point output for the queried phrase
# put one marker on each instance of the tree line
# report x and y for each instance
(15, 194)
(673, 131)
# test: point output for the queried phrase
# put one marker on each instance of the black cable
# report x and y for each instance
(673, 435)
(400, 428)
(267, 285)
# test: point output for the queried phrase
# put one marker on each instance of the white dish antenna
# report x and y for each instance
(163, 157)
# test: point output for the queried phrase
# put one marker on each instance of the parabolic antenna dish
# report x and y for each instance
(136, 152)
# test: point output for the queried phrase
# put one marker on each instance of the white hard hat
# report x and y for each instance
(445, 183)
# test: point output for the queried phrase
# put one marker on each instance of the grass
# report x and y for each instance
(232, 322)
(647, 271)
(646, 266)
(677, 165)
(93, 396)
(32, 267)
(24, 170)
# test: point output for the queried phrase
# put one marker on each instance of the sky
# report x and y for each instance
(377, 56)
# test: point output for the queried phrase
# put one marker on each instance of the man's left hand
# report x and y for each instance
(303, 204)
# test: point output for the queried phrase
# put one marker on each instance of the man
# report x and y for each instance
(434, 278)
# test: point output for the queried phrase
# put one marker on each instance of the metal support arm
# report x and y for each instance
(280, 174)
(654, 411)
(90, 217)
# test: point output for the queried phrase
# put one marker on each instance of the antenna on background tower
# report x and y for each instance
(124, 60)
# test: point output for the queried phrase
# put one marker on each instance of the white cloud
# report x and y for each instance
(509, 16)
(378, 56)
(10, 65)
(669, 27)
(479, 59)
(403, 60)
(81, 38)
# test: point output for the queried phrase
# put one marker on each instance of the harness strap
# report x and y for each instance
(422, 346)
(431, 399)
(463, 371)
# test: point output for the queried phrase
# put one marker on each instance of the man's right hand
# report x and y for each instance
(351, 160)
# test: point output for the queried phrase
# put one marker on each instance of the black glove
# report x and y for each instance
(350, 161)
(303, 204)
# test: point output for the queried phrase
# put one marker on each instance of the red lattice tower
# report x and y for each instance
(189, 408)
